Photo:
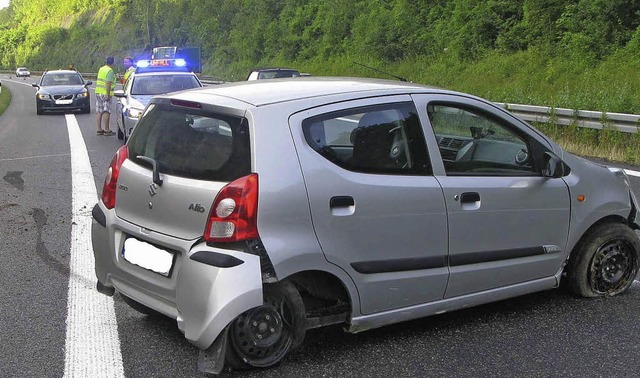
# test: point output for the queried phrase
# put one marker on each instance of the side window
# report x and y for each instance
(474, 143)
(378, 139)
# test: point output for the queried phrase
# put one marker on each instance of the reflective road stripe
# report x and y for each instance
(92, 347)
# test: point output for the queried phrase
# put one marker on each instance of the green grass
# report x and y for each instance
(5, 99)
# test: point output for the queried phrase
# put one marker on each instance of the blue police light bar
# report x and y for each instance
(155, 65)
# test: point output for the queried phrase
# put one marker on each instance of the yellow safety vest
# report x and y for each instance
(105, 74)
(127, 74)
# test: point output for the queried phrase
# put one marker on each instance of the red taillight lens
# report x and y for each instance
(111, 180)
(234, 213)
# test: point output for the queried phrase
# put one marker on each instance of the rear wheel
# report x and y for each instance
(605, 263)
(262, 336)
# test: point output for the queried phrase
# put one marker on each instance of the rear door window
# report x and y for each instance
(381, 139)
(192, 143)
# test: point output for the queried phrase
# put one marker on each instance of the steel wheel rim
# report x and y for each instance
(262, 335)
(613, 267)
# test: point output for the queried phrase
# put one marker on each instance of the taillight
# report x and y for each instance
(111, 180)
(234, 213)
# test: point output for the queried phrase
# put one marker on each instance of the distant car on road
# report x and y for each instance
(22, 72)
(272, 73)
(160, 77)
(62, 90)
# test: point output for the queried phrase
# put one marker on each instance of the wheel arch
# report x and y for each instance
(580, 241)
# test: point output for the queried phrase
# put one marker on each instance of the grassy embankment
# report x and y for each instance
(5, 98)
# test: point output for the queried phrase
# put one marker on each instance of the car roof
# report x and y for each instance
(163, 73)
(273, 69)
(23, 68)
(264, 92)
(62, 72)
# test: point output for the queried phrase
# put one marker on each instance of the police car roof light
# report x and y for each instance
(155, 65)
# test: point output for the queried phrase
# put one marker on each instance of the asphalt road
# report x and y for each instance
(544, 334)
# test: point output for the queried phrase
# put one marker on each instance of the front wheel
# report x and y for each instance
(605, 263)
(262, 336)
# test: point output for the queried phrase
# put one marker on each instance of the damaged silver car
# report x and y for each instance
(252, 212)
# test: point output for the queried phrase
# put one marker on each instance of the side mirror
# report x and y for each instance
(553, 167)
(119, 93)
(35, 85)
(88, 82)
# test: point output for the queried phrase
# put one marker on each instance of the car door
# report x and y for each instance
(377, 210)
(507, 223)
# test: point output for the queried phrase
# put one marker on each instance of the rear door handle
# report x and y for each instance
(341, 201)
(470, 197)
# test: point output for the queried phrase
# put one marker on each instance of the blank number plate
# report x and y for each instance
(147, 256)
(64, 102)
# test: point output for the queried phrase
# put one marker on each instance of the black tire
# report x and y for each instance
(263, 336)
(139, 306)
(605, 262)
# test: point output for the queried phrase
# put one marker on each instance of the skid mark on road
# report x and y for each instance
(15, 179)
(92, 347)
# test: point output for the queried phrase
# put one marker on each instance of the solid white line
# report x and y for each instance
(92, 346)
(632, 173)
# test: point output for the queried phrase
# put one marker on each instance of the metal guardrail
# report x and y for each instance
(627, 123)
(623, 122)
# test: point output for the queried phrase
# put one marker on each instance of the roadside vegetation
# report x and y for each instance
(5, 99)
(578, 54)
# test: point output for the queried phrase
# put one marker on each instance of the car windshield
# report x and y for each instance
(160, 84)
(61, 79)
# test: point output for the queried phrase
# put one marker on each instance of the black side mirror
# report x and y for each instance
(88, 82)
(553, 167)
(35, 85)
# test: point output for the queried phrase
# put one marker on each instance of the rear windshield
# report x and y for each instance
(192, 143)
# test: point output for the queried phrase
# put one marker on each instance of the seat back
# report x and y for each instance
(373, 141)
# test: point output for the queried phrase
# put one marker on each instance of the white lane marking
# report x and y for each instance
(632, 173)
(35, 157)
(92, 346)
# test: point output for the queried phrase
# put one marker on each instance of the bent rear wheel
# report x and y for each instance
(605, 263)
(262, 336)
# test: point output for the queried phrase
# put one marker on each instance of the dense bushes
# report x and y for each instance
(570, 53)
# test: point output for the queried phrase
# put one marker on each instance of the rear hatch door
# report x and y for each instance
(196, 152)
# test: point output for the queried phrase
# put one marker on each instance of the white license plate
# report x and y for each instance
(147, 256)
(63, 102)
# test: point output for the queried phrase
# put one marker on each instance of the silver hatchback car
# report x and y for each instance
(251, 212)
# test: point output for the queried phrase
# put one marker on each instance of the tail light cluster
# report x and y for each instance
(234, 213)
(111, 180)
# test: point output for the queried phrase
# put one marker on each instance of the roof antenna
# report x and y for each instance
(377, 70)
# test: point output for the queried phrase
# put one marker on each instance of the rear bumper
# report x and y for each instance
(202, 297)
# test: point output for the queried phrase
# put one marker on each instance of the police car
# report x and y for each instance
(151, 77)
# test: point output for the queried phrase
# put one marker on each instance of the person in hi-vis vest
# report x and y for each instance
(104, 90)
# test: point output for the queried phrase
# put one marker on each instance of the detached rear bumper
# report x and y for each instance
(207, 289)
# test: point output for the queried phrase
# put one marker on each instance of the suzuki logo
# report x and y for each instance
(196, 207)
(153, 189)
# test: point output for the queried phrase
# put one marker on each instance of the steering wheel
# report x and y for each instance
(522, 157)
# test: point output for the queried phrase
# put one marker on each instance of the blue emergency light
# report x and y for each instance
(155, 65)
